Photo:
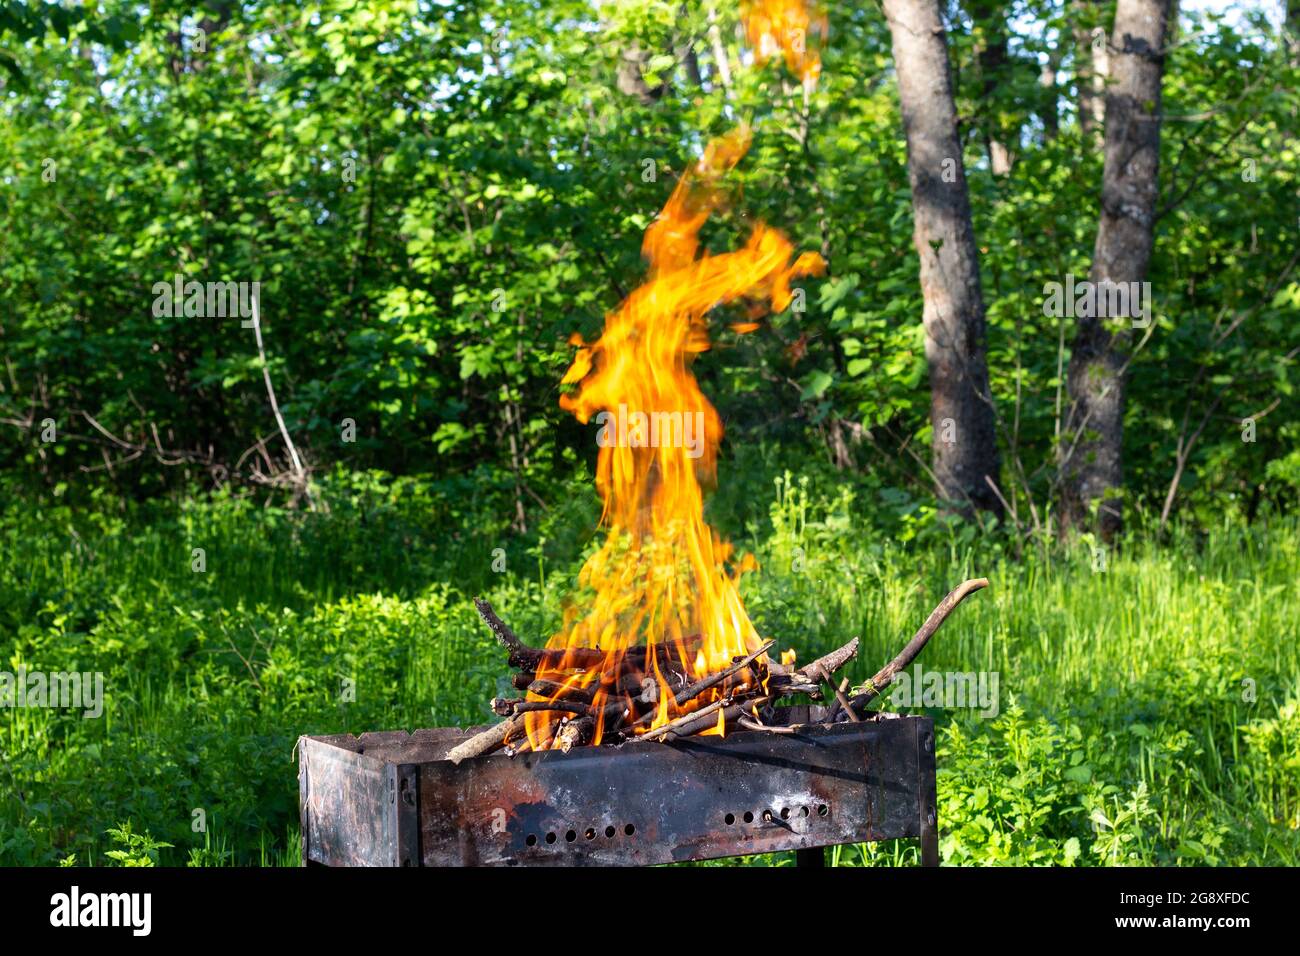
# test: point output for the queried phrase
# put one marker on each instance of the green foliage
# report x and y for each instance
(138, 849)
(433, 197)
(1125, 733)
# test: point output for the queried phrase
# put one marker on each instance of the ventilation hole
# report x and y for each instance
(749, 817)
(804, 811)
(591, 833)
(822, 809)
(532, 839)
(550, 838)
(767, 816)
(629, 829)
(570, 836)
(785, 813)
(729, 819)
(610, 831)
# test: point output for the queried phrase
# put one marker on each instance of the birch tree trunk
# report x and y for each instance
(1091, 455)
(964, 447)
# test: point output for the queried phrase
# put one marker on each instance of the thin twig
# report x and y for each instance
(750, 724)
(886, 674)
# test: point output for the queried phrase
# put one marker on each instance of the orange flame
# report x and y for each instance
(781, 26)
(659, 582)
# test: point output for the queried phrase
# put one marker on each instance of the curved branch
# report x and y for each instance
(885, 676)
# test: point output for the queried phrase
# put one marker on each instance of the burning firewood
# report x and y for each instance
(625, 704)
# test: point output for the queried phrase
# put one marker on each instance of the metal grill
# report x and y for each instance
(391, 799)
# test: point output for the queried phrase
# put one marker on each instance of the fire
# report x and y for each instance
(659, 585)
(779, 26)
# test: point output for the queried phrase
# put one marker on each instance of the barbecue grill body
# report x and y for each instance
(390, 799)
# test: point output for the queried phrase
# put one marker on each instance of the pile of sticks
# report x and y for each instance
(624, 701)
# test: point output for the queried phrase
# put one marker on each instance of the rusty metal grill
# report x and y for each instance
(390, 799)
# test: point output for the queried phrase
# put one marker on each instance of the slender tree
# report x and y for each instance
(965, 453)
(1293, 28)
(995, 65)
(1091, 453)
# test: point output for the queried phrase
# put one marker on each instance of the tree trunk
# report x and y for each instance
(1091, 456)
(994, 61)
(1049, 111)
(965, 452)
(1293, 28)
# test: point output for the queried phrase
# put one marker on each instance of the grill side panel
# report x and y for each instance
(697, 799)
(346, 807)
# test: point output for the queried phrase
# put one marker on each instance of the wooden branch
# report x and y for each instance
(838, 702)
(673, 725)
(498, 735)
(545, 736)
(831, 662)
(730, 713)
(807, 680)
(840, 699)
(561, 706)
(301, 478)
(886, 674)
(505, 706)
(631, 681)
(553, 690)
(666, 650)
(530, 659)
(691, 691)
(499, 628)
(494, 738)
(626, 710)
(578, 732)
(575, 733)
(521, 655)
(750, 724)
(794, 684)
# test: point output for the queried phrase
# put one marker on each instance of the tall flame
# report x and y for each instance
(660, 580)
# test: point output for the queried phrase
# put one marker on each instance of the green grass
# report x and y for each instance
(1149, 712)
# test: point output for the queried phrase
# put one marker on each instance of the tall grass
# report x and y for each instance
(1149, 709)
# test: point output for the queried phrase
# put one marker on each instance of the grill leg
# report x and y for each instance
(929, 824)
(930, 847)
(811, 857)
